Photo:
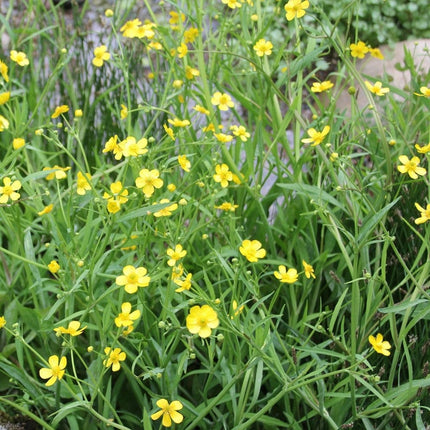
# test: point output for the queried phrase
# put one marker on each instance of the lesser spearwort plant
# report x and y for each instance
(192, 236)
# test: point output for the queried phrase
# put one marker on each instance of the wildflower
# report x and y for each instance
(224, 138)
(124, 112)
(177, 272)
(133, 278)
(252, 250)
(380, 345)
(309, 270)
(59, 172)
(166, 211)
(191, 73)
(54, 371)
(377, 88)
(425, 92)
(130, 148)
(232, 4)
(38, 132)
(359, 49)
(59, 110)
(114, 358)
(74, 329)
(334, 156)
(126, 317)
(100, 55)
(53, 267)
(201, 109)
(175, 255)
(117, 198)
(236, 310)
(295, 9)
(285, 276)
(9, 190)
(263, 47)
(184, 163)
(319, 87)
(145, 31)
(2, 322)
(4, 123)
(376, 53)
(3, 71)
(176, 122)
(227, 206)
(171, 187)
(169, 131)
(411, 166)
(79, 113)
(111, 145)
(82, 183)
(191, 34)
(240, 131)
(46, 210)
(19, 57)
(222, 175)
(108, 13)
(316, 137)
(4, 97)
(176, 18)
(422, 149)
(129, 29)
(222, 100)
(425, 214)
(182, 50)
(148, 180)
(169, 412)
(201, 320)
(184, 284)
(155, 45)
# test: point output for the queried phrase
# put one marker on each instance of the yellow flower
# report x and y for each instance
(18, 143)
(295, 9)
(227, 206)
(124, 112)
(54, 371)
(422, 149)
(175, 255)
(222, 137)
(130, 28)
(59, 110)
(133, 278)
(130, 148)
(232, 4)
(191, 34)
(3, 71)
(425, 214)
(377, 88)
(182, 50)
(82, 183)
(223, 175)
(169, 131)
(222, 100)
(177, 272)
(4, 97)
(316, 137)
(117, 197)
(263, 47)
(9, 190)
(184, 163)
(252, 250)
(74, 329)
(19, 57)
(411, 167)
(376, 53)
(2, 321)
(108, 13)
(191, 73)
(201, 320)
(176, 18)
(176, 122)
(184, 284)
(380, 345)
(425, 92)
(114, 358)
(319, 87)
(100, 55)
(169, 412)
(359, 49)
(201, 109)
(146, 31)
(167, 211)
(4, 123)
(111, 145)
(46, 210)
(53, 267)
(309, 270)
(236, 310)
(240, 132)
(59, 172)
(285, 276)
(126, 317)
(148, 180)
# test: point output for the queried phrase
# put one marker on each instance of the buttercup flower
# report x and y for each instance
(285, 276)
(54, 371)
(227, 206)
(59, 110)
(236, 309)
(223, 175)
(46, 210)
(425, 92)
(100, 55)
(148, 180)
(2, 322)
(59, 172)
(4, 123)
(9, 190)
(175, 255)
(132, 148)
(114, 358)
(82, 184)
(222, 137)
(74, 329)
(117, 198)
(425, 214)
(309, 270)
(176, 122)
(176, 18)
(191, 73)
(316, 137)
(169, 412)
(222, 100)
(126, 317)
(240, 132)
(19, 57)
(53, 266)
(380, 345)
(129, 29)
(232, 4)
(377, 88)
(124, 112)
(422, 149)
(166, 211)
(295, 9)
(184, 163)
(201, 109)
(202, 320)
(411, 166)
(4, 97)
(133, 278)
(376, 53)
(182, 50)
(112, 145)
(18, 143)
(191, 34)
(252, 250)
(3, 71)
(263, 47)
(359, 49)
(319, 87)
(183, 284)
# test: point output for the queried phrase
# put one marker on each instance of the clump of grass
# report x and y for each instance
(191, 238)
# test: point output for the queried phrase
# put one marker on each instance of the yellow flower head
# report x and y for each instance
(114, 358)
(380, 345)
(129, 147)
(359, 49)
(316, 137)
(117, 197)
(166, 211)
(19, 57)
(59, 110)
(183, 284)
(285, 276)
(202, 320)
(425, 92)
(100, 55)
(263, 47)
(223, 175)
(222, 100)
(133, 278)
(376, 53)
(425, 214)
(2, 321)
(227, 207)
(252, 250)
(191, 73)
(377, 89)
(319, 87)
(82, 184)
(59, 172)
(232, 4)
(46, 210)
(169, 412)
(175, 255)
(309, 270)
(54, 371)
(422, 149)
(169, 131)
(130, 28)
(240, 132)
(176, 122)
(191, 34)
(184, 163)
(18, 143)
(201, 109)
(4, 123)
(3, 71)
(295, 9)
(74, 329)
(148, 180)
(9, 190)
(4, 97)
(411, 167)
(126, 317)
(53, 266)
(124, 112)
